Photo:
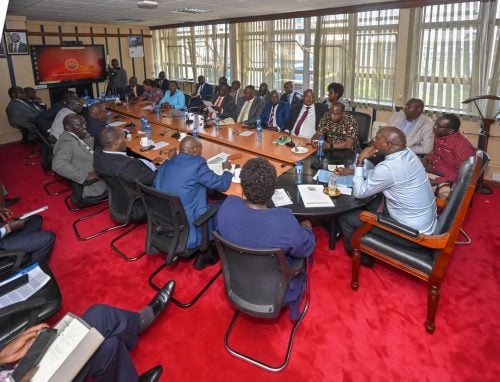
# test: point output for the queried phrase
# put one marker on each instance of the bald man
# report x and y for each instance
(96, 120)
(403, 181)
(188, 175)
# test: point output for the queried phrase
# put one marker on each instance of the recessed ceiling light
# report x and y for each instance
(190, 11)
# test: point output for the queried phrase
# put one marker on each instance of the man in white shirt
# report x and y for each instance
(304, 119)
(417, 127)
(249, 107)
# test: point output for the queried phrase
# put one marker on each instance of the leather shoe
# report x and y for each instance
(160, 301)
(152, 375)
(11, 201)
(204, 259)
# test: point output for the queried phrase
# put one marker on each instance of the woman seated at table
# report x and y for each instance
(248, 222)
(174, 97)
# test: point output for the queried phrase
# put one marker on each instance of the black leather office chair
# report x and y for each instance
(364, 126)
(423, 256)
(256, 281)
(76, 201)
(125, 208)
(38, 308)
(168, 232)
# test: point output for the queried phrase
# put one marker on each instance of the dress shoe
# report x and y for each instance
(205, 258)
(11, 201)
(152, 375)
(160, 301)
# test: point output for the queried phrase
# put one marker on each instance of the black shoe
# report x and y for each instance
(11, 201)
(367, 261)
(152, 375)
(205, 259)
(160, 301)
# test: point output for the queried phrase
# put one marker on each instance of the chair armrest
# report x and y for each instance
(429, 241)
(394, 224)
(19, 256)
(207, 215)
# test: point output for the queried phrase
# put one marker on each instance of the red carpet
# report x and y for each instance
(374, 334)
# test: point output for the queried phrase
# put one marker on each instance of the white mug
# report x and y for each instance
(144, 141)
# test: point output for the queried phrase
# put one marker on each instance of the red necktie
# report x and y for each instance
(301, 121)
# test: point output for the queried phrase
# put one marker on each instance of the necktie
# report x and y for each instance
(244, 112)
(271, 117)
(135, 91)
(301, 121)
(16, 45)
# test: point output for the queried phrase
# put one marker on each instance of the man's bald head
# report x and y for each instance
(190, 145)
(97, 111)
(389, 140)
(112, 138)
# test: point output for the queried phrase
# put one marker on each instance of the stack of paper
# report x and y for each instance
(281, 198)
(313, 196)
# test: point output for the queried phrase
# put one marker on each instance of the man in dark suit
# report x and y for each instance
(113, 160)
(276, 113)
(249, 107)
(223, 103)
(304, 119)
(16, 45)
(21, 114)
(96, 120)
(33, 98)
(162, 82)
(203, 91)
(291, 96)
(133, 90)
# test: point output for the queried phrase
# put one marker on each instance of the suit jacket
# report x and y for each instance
(21, 114)
(73, 160)
(254, 112)
(319, 110)
(421, 137)
(296, 98)
(206, 94)
(165, 85)
(94, 127)
(228, 106)
(282, 114)
(22, 48)
(127, 167)
(189, 177)
(128, 90)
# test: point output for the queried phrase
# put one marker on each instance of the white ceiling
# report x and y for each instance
(109, 11)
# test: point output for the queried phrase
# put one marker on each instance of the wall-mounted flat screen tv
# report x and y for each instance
(54, 64)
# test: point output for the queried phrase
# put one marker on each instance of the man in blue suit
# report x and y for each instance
(276, 113)
(203, 91)
(188, 176)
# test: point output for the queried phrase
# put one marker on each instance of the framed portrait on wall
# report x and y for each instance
(16, 42)
(136, 46)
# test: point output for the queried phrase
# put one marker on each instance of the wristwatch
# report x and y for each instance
(360, 163)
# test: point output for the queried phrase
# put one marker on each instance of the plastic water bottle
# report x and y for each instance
(258, 127)
(299, 169)
(144, 121)
(109, 117)
(148, 132)
(321, 144)
(217, 121)
(157, 109)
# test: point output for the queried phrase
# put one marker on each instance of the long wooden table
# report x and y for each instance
(160, 133)
(229, 135)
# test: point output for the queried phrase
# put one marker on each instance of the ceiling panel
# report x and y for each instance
(109, 11)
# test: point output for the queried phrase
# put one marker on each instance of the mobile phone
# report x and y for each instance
(146, 148)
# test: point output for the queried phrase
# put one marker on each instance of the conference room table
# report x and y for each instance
(234, 135)
(228, 139)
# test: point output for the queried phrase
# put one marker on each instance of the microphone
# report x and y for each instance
(291, 143)
(176, 135)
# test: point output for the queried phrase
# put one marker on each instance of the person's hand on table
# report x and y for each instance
(17, 348)
(343, 171)
(226, 165)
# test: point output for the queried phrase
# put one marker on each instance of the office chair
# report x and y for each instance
(423, 256)
(256, 281)
(364, 126)
(15, 318)
(168, 232)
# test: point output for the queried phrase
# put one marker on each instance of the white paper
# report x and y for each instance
(218, 159)
(208, 103)
(344, 190)
(116, 123)
(313, 196)
(246, 133)
(281, 198)
(333, 167)
(37, 279)
(34, 212)
(159, 145)
(149, 107)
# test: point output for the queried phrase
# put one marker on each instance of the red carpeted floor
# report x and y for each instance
(374, 334)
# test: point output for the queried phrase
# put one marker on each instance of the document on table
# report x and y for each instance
(37, 279)
(149, 107)
(215, 163)
(246, 133)
(116, 123)
(281, 198)
(313, 196)
(160, 144)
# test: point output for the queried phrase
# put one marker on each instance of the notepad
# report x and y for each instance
(313, 196)
(281, 198)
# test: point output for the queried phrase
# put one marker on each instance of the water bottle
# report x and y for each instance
(196, 125)
(258, 127)
(321, 144)
(217, 121)
(109, 117)
(148, 132)
(157, 109)
(299, 169)
(144, 121)
(85, 98)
